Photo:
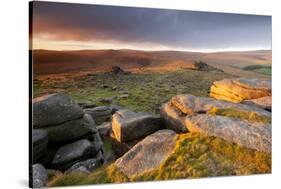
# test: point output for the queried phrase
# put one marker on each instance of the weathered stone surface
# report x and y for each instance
(179, 106)
(190, 104)
(86, 104)
(263, 102)
(104, 129)
(147, 154)
(86, 166)
(237, 90)
(128, 125)
(89, 123)
(40, 176)
(54, 109)
(114, 108)
(251, 135)
(120, 148)
(39, 142)
(72, 153)
(97, 141)
(173, 118)
(100, 114)
(71, 130)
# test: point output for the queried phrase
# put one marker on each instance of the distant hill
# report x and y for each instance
(53, 62)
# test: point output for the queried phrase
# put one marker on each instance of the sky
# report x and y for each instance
(65, 26)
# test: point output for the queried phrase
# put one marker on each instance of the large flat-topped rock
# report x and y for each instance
(251, 135)
(54, 109)
(147, 154)
(237, 90)
(190, 104)
(128, 125)
(71, 130)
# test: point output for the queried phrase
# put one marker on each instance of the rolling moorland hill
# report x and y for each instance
(54, 62)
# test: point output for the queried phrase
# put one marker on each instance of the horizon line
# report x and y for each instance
(146, 50)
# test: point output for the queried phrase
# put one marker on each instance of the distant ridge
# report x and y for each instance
(52, 62)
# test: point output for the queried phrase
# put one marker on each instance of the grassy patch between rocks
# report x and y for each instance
(194, 156)
(108, 174)
(243, 115)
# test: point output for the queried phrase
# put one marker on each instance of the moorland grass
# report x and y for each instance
(238, 114)
(194, 156)
(146, 91)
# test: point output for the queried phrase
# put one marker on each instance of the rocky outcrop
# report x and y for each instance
(128, 125)
(245, 125)
(173, 118)
(54, 109)
(202, 66)
(117, 70)
(147, 154)
(70, 154)
(100, 114)
(104, 129)
(68, 131)
(189, 104)
(39, 176)
(175, 111)
(263, 102)
(237, 90)
(251, 135)
(39, 143)
(60, 117)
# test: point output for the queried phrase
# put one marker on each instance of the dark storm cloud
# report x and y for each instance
(172, 28)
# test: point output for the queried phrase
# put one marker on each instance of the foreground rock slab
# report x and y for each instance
(147, 154)
(71, 130)
(175, 111)
(63, 119)
(39, 176)
(128, 125)
(190, 104)
(54, 109)
(251, 135)
(237, 90)
(72, 153)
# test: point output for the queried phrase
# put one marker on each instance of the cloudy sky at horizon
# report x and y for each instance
(64, 26)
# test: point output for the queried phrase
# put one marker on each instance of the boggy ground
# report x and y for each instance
(136, 91)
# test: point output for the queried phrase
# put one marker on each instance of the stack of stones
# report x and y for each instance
(64, 137)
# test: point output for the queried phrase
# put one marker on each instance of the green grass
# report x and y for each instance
(194, 156)
(266, 70)
(108, 174)
(197, 156)
(243, 115)
(146, 91)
